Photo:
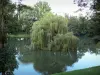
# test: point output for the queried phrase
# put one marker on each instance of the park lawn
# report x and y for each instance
(87, 71)
(18, 35)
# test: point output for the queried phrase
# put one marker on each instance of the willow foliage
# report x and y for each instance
(51, 33)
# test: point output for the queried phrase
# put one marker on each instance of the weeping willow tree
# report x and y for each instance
(51, 33)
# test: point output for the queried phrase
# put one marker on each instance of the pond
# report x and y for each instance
(29, 62)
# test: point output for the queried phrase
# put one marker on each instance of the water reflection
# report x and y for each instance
(46, 62)
(87, 44)
(49, 62)
(7, 59)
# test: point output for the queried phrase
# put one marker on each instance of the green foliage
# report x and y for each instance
(51, 32)
(8, 18)
(73, 24)
(95, 19)
(26, 18)
(7, 59)
(94, 27)
(64, 42)
(13, 26)
(40, 8)
(79, 26)
(20, 22)
(98, 45)
(28, 15)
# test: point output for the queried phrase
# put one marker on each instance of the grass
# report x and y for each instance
(87, 71)
(18, 35)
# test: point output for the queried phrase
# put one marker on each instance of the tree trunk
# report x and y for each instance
(2, 18)
(2, 27)
(3, 73)
(3, 40)
(1, 46)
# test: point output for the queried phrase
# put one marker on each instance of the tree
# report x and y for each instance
(79, 25)
(73, 24)
(40, 8)
(3, 6)
(51, 33)
(3, 15)
(82, 3)
(26, 18)
(95, 19)
(28, 15)
(8, 18)
(7, 59)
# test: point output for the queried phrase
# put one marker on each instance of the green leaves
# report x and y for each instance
(28, 15)
(79, 26)
(40, 9)
(51, 33)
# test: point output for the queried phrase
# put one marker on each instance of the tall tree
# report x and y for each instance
(95, 6)
(40, 8)
(96, 17)
(51, 33)
(26, 18)
(9, 19)
(28, 15)
(3, 14)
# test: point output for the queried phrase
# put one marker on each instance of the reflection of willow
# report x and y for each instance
(7, 60)
(50, 62)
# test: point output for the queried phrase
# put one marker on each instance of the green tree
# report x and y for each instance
(40, 8)
(26, 18)
(78, 25)
(51, 32)
(3, 12)
(73, 24)
(8, 19)
(3, 18)
(28, 15)
(95, 19)
(7, 59)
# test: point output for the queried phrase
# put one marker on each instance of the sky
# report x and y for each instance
(58, 6)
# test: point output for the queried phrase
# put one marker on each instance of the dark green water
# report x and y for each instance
(19, 59)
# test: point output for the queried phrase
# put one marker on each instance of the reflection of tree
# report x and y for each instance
(19, 43)
(86, 45)
(50, 62)
(7, 59)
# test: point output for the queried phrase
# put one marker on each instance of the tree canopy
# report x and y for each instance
(51, 33)
(28, 14)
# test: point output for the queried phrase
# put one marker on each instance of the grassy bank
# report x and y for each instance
(87, 71)
(18, 35)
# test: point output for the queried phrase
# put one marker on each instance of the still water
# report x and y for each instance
(29, 62)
